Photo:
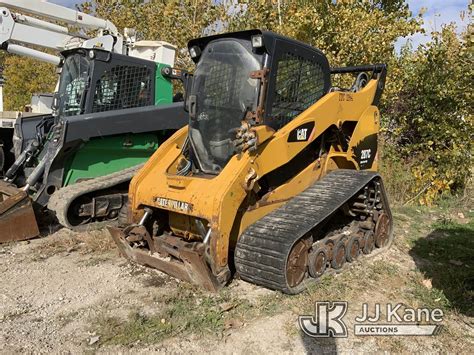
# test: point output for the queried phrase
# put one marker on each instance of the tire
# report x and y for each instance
(122, 217)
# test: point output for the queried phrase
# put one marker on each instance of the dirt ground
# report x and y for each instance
(72, 292)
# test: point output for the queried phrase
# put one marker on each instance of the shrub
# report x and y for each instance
(430, 120)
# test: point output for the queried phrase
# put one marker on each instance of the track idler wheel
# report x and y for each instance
(339, 255)
(297, 263)
(353, 249)
(382, 230)
(317, 262)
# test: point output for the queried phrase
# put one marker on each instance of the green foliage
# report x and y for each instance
(427, 103)
(173, 21)
(25, 77)
(396, 173)
(430, 117)
(348, 32)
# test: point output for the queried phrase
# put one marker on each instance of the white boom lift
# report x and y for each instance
(19, 31)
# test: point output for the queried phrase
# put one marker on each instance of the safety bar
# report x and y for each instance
(375, 68)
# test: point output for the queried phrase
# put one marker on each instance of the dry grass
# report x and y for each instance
(66, 241)
(397, 276)
(398, 180)
(184, 310)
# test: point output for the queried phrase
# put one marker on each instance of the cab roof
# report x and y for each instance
(269, 40)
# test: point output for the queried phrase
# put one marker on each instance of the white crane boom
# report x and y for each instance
(60, 13)
(18, 31)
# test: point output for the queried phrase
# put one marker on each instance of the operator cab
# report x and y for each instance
(94, 80)
(254, 76)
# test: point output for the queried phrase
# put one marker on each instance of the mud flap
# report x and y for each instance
(190, 266)
(17, 218)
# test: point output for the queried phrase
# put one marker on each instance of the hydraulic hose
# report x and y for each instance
(37, 172)
(22, 158)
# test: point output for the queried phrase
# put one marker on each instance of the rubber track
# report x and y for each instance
(263, 249)
(61, 200)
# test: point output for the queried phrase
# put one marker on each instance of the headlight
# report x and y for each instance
(257, 41)
(194, 52)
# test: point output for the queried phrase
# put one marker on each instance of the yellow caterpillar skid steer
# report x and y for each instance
(275, 176)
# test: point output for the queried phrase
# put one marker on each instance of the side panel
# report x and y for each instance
(131, 120)
(163, 87)
(25, 130)
(364, 143)
(102, 156)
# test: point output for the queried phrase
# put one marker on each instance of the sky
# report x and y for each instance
(438, 12)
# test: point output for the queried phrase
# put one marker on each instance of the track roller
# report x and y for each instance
(352, 248)
(339, 254)
(318, 260)
(382, 230)
(369, 242)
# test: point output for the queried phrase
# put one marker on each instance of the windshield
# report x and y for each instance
(74, 76)
(223, 93)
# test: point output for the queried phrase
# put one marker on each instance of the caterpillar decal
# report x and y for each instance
(301, 133)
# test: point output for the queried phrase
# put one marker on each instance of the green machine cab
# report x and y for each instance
(110, 114)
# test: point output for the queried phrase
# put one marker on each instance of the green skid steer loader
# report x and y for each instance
(110, 114)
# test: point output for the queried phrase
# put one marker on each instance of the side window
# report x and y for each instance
(73, 95)
(299, 84)
(123, 87)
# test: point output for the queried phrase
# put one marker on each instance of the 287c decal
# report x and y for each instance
(364, 152)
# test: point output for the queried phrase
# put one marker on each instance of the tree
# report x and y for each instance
(24, 77)
(431, 116)
(173, 21)
(348, 32)
(427, 103)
